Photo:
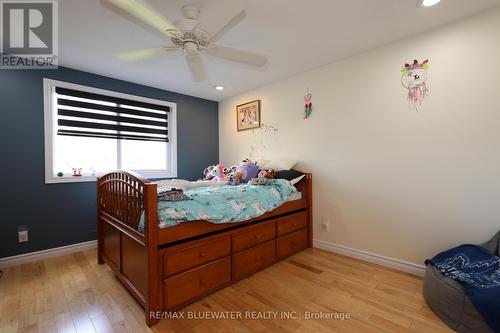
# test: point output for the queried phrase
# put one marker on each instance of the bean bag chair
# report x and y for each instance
(448, 298)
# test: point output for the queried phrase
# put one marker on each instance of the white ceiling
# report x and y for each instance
(296, 35)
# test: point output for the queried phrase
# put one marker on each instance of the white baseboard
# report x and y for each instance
(396, 264)
(373, 258)
(45, 254)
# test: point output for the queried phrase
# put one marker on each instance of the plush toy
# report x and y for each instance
(233, 179)
(268, 174)
(229, 171)
(218, 173)
(248, 170)
(208, 173)
(245, 172)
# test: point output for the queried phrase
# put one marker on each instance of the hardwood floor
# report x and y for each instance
(73, 294)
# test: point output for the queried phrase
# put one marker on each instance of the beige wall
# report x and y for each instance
(392, 181)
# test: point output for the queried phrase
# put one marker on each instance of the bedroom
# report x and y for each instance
(372, 123)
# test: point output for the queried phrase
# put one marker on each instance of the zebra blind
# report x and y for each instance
(86, 114)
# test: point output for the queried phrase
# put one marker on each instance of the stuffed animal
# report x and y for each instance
(218, 173)
(244, 172)
(208, 173)
(234, 178)
(247, 171)
(229, 171)
(268, 174)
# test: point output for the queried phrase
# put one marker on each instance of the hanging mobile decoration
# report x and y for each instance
(414, 79)
(264, 138)
(308, 107)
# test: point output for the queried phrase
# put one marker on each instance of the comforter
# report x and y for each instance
(220, 202)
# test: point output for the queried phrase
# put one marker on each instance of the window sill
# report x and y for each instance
(69, 179)
(85, 179)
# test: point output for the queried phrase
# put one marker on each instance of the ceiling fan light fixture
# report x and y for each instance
(219, 88)
(191, 49)
(427, 3)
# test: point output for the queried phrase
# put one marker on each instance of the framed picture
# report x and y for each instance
(248, 115)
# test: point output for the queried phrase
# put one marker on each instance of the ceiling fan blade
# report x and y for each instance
(148, 15)
(216, 14)
(196, 67)
(237, 19)
(145, 53)
(229, 53)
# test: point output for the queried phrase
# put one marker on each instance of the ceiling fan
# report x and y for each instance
(195, 33)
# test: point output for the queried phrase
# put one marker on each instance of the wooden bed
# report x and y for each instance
(166, 269)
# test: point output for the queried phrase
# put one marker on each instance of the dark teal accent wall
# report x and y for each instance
(63, 214)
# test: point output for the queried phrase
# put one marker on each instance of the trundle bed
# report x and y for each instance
(166, 269)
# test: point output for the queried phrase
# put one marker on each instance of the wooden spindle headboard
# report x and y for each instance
(121, 196)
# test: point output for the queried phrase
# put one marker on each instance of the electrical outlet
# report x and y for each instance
(325, 224)
(22, 234)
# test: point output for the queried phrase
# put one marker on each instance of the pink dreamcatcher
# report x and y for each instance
(414, 79)
(308, 107)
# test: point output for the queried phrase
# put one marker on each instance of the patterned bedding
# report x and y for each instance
(222, 203)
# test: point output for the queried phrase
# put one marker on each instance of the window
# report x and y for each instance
(91, 131)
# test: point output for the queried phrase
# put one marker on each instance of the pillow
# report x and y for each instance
(279, 164)
(168, 184)
(288, 174)
(296, 180)
(261, 162)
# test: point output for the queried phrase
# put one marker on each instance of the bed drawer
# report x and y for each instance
(291, 223)
(293, 243)
(254, 259)
(254, 235)
(194, 256)
(186, 286)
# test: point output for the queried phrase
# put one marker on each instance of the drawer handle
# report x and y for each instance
(294, 224)
(202, 255)
(257, 237)
(202, 281)
(257, 259)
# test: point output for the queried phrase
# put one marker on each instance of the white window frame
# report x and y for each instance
(50, 122)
